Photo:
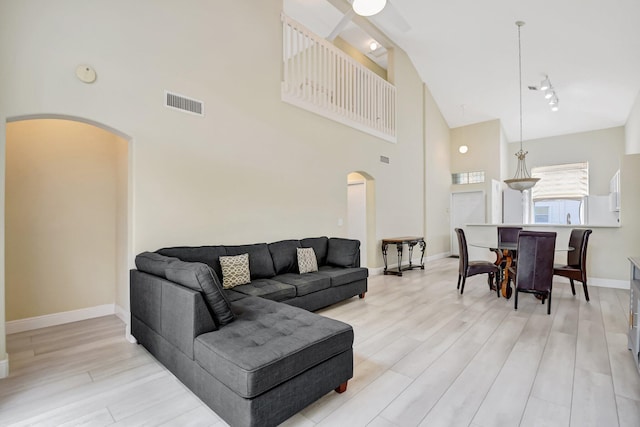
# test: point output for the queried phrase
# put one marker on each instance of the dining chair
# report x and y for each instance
(576, 268)
(534, 271)
(468, 268)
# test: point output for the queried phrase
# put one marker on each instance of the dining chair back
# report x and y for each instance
(468, 268)
(576, 267)
(534, 272)
(508, 234)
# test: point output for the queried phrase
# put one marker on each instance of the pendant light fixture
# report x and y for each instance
(368, 7)
(522, 180)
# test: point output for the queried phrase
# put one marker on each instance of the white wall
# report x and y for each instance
(254, 169)
(61, 195)
(437, 178)
(603, 149)
(632, 129)
(485, 154)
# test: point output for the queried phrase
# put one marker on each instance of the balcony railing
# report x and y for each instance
(321, 78)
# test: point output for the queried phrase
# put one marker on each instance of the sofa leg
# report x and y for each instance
(362, 295)
(342, 387)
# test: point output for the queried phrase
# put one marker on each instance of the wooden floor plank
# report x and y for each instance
(423, 353)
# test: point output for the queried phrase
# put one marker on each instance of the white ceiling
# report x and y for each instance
(466, 51)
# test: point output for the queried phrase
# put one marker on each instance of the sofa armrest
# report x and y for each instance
(174, 312)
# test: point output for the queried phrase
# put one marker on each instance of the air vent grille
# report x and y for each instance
(183, 103)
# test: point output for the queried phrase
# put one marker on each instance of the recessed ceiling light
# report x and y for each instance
(463, 149)
(373, 46)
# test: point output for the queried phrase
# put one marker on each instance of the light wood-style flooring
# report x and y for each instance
(424, 356)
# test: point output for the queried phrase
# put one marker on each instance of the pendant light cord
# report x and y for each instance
(520, 24)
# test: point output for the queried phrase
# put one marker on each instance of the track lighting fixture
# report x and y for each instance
(545, 84)
(549, 92)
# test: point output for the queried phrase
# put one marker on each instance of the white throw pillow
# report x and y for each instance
(307, 261)
(235, 270)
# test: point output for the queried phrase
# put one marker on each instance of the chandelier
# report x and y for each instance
(521, 180)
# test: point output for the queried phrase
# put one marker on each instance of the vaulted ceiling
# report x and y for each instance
(466, 51)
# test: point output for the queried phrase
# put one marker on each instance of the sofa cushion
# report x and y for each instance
(305, 283)
(269, 289)
(153, 263)
(343, 252)
(284, 256)
(206, 254)
(341, 276)
(235, 270)
(200, 277)
(260, 263)
(319, 245)
(268, 344)
(233, 295)
(307, 261)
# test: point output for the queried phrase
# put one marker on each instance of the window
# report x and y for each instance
(560, 195)
(467, 177)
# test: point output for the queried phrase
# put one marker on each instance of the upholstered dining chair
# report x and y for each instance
(576, 268)
(534, 271)
(468, 268)
(508, 235)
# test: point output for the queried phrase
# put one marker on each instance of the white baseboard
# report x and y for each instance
(125, 316)
(29, 324)
(597, 281)
(122, 314)
(415, 261)
(438, 256)
(4, 366)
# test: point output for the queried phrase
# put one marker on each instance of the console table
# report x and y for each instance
(634, 311)
(400, 242)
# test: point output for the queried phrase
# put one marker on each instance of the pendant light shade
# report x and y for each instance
(521, 180)
(368, 7)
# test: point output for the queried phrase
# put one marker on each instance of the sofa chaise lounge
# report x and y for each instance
(253, 353)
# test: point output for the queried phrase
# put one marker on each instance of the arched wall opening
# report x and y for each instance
(361, 215)
(68, 210)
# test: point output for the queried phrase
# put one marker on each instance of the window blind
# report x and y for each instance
(567, 181)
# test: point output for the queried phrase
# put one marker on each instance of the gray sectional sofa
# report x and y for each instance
(254, 353)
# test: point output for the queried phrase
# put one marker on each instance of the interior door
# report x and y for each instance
(466, 208)
(357, 217)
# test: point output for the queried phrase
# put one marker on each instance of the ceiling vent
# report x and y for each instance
(183, 103)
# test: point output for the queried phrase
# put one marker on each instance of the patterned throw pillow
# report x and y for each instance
(307, 261)
(235, 270)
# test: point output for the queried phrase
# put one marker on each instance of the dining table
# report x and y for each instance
(505, 251)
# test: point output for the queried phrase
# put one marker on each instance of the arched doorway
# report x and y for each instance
(361, 215)
(67, 215)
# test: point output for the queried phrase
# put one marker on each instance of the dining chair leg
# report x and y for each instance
(464, 279)
(515, 305)
(573, 288)
(549, 304)
(498, 283)
(586, 292)
(459, 278)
